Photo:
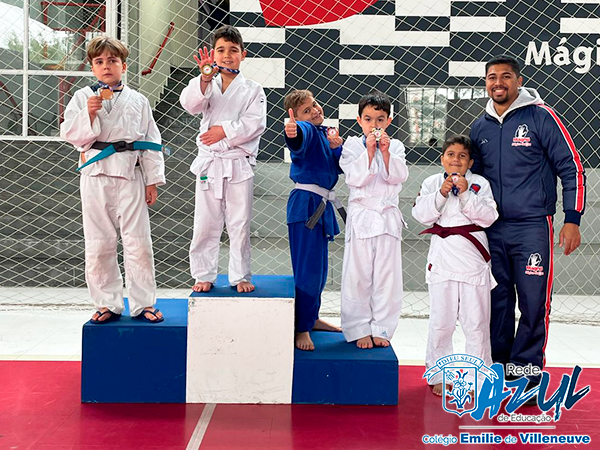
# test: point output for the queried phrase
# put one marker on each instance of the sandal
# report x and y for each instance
(142, 316)
(113, 316)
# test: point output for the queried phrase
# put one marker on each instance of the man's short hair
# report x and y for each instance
(295, 98)
(459, 139)
(377, 100)
(230, 34)
(504, 59)
(113, 46)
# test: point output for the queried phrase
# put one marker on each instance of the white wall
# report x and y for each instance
(155, 16)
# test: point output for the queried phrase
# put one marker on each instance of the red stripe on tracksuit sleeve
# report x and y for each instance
(579, 196)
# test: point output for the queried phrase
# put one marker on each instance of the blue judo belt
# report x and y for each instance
(110, 148)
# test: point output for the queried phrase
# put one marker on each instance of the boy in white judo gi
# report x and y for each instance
(116, 187)
(375, 169)
(459, 205)
(234, 115)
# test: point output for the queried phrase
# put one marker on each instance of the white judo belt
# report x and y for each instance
(223, 168)
(326, 196)
(373, 204)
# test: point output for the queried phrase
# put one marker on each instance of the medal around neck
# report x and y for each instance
(455, 178)
(377, 132)
(331, 131)
(106, 92)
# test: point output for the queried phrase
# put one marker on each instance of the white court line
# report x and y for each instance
(201, 427)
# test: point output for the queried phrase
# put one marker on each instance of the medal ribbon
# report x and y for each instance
(112, 88)
(226, 68)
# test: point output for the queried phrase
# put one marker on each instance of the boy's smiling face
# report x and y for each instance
(373, 118)
(456, 159)
(228, 54)
(108, 68)
(310, 111)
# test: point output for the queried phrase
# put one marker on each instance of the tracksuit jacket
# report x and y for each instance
(521, 153)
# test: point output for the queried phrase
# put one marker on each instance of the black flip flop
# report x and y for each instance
(113, 316)
(142, 316)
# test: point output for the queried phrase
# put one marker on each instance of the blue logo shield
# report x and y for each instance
(460, 389)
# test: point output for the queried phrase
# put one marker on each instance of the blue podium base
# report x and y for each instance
(265, 286)
(133, 361)
(339, 373)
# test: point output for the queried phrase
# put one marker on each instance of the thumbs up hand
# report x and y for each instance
(291, 129)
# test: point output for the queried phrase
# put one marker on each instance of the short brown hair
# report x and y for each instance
(460, 139)
(296, 98)
(100, 44)
(230, 34)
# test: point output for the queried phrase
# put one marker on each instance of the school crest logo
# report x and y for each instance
(459, 389)
(475, 188)
(459, 374)
(521, 139)
(534, 265)
(477, 390)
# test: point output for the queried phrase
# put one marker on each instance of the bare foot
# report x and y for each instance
(438, 389)
(152, 314)
(381, 342)
(202, 286)
(304, 342)
(245, 286)
(365, 342)
(321, 325)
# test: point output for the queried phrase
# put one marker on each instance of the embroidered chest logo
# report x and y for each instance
(534, 266)
(521, 139)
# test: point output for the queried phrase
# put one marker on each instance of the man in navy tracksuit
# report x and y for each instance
(520, 146)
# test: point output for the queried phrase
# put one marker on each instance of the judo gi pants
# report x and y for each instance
(110, 204)
(309, 252)
(522, 257)
(371, 287)
(235, 209)
(470, 304)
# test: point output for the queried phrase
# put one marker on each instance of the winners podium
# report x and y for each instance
(240, 346)
(223, 346)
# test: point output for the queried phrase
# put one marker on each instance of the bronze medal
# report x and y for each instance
(106, 94)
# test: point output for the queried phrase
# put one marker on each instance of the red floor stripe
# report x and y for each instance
(40, 409)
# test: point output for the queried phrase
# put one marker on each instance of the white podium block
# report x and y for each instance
(240, 347)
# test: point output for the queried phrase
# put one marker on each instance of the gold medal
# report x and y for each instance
(106, 94)
(207, 70)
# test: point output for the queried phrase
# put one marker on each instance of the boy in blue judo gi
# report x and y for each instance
(315, 151)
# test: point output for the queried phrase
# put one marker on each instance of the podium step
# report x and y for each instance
(240, 345)
(225, 347)
(339, 373)
(133, 361)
